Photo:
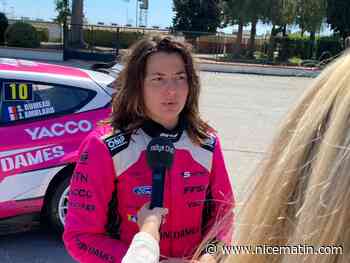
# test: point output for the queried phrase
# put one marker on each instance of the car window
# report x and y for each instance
(27, 100)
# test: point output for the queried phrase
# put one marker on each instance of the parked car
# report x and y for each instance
(46, 111)
(111, 68)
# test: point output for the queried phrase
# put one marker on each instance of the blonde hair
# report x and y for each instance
(302, 193)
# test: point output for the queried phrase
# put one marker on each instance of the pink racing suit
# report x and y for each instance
(112, 181)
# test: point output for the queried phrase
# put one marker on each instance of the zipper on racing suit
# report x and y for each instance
(168, 174)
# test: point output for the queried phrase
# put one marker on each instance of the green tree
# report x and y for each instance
(234, 13)
(310, 16)
(196, 15)
(242, 13)
(22, 34)
(338, 16)
(3, 26)
(64, 11)
(279, 13)
(255, 11)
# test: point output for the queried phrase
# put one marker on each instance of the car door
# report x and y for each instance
(40, 127)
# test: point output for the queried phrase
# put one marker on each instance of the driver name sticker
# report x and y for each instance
(30, 110)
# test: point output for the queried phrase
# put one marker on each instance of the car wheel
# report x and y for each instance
(58, 205)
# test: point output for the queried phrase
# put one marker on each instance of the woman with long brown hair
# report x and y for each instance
(157, 95)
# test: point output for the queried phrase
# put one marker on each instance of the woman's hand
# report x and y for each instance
(175, 260)
(207, 258)
(203, 259)
(149, 220)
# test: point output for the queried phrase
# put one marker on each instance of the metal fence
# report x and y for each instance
(211, 46)
(100, 42)
(92, 40)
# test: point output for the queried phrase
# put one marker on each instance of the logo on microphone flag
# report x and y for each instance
(132, 218)
(143, 190)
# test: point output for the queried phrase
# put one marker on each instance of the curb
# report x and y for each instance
(264, 70)
(237, 68)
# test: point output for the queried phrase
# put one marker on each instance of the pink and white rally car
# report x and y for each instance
(45, 112)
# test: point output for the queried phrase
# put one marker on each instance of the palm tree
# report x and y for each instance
(77, 34)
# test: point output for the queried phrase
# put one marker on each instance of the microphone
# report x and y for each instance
(160, 154)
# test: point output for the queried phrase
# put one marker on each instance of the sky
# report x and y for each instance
(107, 11)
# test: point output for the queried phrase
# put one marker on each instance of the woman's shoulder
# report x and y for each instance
(211, 135)
(105, 137)
(210, 142)
(101, 132)
(98, 135)
(113, 140)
